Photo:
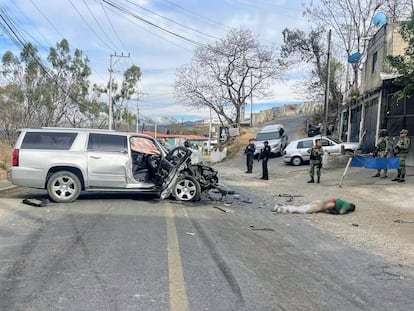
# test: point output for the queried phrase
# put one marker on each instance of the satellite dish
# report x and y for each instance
(379, 19)
(354, 58)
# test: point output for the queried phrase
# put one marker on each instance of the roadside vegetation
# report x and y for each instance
(236, 145)
(5, 155)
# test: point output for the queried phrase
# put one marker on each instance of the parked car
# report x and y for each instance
(296, 152)
(313, 131)
(276, 136)
(68, 161)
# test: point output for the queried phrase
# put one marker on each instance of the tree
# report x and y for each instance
(397, 10)
(351, 22)
(68, 74)
(34, 94)
(300, 47)
(122, 92)
(224, 74)
(404, 64)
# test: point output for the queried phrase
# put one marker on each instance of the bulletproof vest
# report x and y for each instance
(382, 145)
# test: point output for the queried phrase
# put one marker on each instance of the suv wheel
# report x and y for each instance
(63, 187)
(186, 189)
(296, 161)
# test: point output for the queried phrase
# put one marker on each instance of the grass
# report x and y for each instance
(236, 145)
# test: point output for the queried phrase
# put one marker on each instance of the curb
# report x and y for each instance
(7, 188)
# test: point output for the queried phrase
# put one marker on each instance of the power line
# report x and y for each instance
(11, 29)
(90, 27)
(172, 21)
(132, 14)
(47, 19)
(54, 28)
(115, 11)
(99, 25)
(112, 26)
(209, 21)
(23, 31)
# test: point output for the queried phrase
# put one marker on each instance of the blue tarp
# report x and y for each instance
(375, 163)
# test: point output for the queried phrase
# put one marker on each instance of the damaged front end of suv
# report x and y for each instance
(189, 180)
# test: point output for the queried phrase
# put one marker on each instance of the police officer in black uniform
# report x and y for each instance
(264, 156)
(249, 152)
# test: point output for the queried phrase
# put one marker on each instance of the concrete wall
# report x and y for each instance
(334, 160)
(218, 155)
(268, 115)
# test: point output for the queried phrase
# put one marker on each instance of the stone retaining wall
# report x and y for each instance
(335, 160)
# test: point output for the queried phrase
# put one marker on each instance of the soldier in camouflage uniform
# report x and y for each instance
(382, 149)
(316, 153)
(401, 150)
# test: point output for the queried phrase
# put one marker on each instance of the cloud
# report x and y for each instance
(100, 30)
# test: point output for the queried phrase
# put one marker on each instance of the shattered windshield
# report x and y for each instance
(144, 145)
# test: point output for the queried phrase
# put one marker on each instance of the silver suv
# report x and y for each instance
(275, 135)
(66, 161)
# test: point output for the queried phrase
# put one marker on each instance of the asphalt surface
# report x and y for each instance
(106, 252)
(123, 252)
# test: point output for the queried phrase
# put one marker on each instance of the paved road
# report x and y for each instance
(107, 252)
(121, 252)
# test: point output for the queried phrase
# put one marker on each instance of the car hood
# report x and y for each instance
(351, 145)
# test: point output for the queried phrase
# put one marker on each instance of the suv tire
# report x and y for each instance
(63, 187)
(186, 188)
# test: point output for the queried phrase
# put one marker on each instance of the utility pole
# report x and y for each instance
(209, 134)
(110, 86)
(328, 71)
(137, 126)
(251, 99)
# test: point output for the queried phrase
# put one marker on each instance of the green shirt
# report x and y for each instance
(342, 207)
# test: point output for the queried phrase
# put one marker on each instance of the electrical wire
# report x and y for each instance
(57, 31)
(209, 21)
(112, 26)
(47, 19)
(171, 20)
(134, 15)
(89, 26)
(21, 13)
(115, 11)
(10, 28)
(99, 25)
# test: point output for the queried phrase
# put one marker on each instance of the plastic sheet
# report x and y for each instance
(375, 163)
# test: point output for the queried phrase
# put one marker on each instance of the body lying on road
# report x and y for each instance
(332, 206)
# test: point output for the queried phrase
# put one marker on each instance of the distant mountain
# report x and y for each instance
(164, 120)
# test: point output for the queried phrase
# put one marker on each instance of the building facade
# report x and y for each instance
(378, 105)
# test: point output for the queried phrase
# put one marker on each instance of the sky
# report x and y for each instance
(100, 30)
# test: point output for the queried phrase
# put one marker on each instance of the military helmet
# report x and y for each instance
(383, 132)
(404, 131)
